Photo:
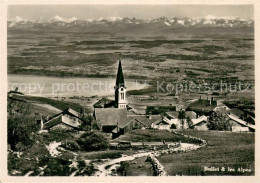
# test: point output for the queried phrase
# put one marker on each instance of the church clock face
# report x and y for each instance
(122, 89)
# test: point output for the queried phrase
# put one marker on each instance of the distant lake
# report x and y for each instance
(72, 86)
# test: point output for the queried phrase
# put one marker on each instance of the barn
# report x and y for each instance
(67, 120)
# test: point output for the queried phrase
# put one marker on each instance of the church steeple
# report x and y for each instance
(120, 89)
(120, 77)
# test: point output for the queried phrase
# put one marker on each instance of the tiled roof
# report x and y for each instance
(145, 119)
(111, 116)
(53, 122)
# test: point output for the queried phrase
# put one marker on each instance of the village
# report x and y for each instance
(140, 134)
(116, 117)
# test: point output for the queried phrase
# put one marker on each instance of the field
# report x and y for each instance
(224, 149)
(176, 57)
(180, 60)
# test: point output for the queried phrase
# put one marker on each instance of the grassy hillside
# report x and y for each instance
(62, 105)
(224, 149)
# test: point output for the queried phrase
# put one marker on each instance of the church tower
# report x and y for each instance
(120, 89)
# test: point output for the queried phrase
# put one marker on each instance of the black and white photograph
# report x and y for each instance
(105, 90)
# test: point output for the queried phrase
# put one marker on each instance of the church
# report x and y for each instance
(116, 117)
(120, 93)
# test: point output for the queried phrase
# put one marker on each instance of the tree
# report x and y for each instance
(87, 121)
(189, 122)
(92, 141)
(181, 117)
(20, 123)
(220, 124)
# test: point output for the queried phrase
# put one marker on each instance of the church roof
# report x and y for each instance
(120, 77)
(111, 116)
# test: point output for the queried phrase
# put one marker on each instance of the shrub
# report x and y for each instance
(58, 167)
(121, 170)
(71, 145)
(92, 141)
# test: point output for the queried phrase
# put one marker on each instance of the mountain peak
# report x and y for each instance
(208, 20)
(18, 19)
(61, 19)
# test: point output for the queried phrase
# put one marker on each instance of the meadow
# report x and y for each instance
(224, 149)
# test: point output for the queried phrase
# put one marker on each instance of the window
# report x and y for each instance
(122, 96)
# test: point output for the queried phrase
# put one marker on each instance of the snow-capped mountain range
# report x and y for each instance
(173, 21)
(133, 26)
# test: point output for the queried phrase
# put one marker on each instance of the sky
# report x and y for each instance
(137, 11)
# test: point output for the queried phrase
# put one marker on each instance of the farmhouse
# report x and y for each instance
(66, 120)
(239, 125)
(162, 124)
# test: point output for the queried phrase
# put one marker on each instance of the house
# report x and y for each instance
(171, 117)
(68, 119)
(200, 123)
(239, 125)
(145, 121)
(162, 124)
